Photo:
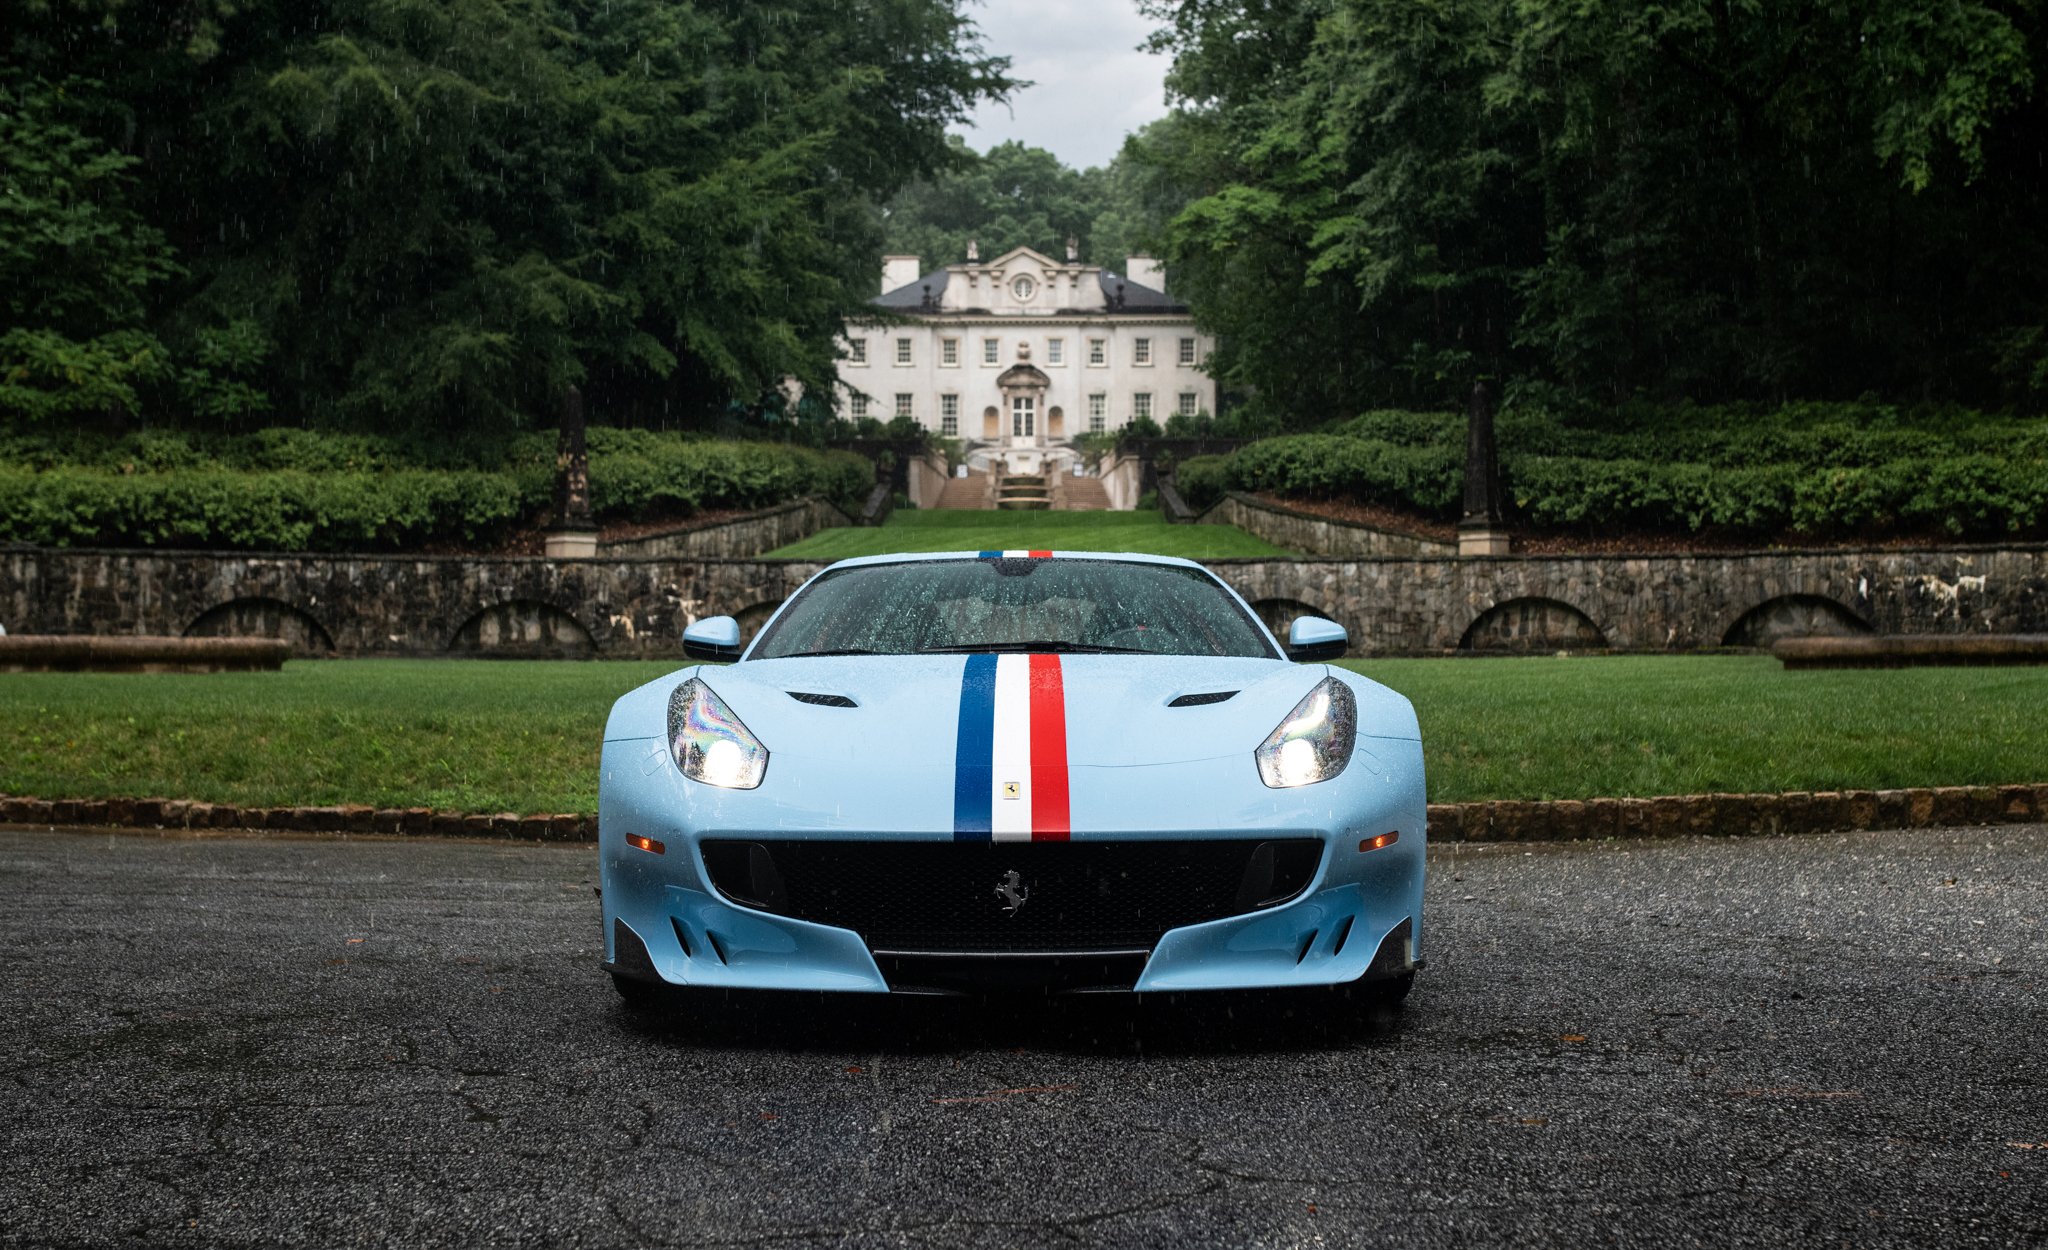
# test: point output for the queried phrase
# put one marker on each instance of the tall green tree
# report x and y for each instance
(442, 210)
(1711, 199)
(77, 263)
(1012, 196)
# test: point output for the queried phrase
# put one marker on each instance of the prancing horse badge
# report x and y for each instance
(1013, 789)
(1012, 890)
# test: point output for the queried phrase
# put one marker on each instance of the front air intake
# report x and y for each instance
(1036, 897)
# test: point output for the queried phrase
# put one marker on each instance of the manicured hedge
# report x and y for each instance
(635, 471)
(277, 510)
(285, 490)
(1818, 469)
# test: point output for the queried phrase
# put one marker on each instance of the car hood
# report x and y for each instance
(1117, 711)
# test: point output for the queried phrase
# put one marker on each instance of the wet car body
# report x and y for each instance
(1013, 813)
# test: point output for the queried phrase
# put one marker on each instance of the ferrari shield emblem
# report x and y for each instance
(1013, 789)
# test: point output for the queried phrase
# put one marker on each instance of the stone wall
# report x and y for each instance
(1314, 535)
(1123, 479)
(1652, 603)
(925, 479)
(734, 538)
(410, 605)
(392, 605)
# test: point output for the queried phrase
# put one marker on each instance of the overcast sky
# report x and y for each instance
(1092, 88)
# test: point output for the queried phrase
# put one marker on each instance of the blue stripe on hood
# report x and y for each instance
(974, 751)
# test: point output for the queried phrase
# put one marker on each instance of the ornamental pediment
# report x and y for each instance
(1016, 254)
(1023, 377)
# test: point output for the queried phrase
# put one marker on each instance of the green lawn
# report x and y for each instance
(465, 735)
(481, 735)
(1620, 726)
(1145, 532)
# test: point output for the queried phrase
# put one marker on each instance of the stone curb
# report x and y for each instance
(1506, 820)
(412, 821)
(1677, 815)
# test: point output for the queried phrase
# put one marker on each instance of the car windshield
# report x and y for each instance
(1045, 605)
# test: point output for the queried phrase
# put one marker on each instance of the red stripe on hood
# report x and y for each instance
(1050, 818)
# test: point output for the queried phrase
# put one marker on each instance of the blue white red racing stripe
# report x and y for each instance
(1010, 758)
(1013, 555)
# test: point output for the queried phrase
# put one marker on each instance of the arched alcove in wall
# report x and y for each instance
(1278, 614)
(257, 616)
(752, 618)
(1793, 616)
(1532, 624)
(523, 627)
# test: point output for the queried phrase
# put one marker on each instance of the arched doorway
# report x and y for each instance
(1023, 386)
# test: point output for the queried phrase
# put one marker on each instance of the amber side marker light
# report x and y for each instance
(646, 844)
(1374, 844)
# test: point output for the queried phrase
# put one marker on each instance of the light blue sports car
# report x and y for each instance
(992, 770)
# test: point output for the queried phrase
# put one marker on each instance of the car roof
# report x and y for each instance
(913, 557)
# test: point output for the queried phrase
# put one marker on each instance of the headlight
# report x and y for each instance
(1314, 742)
(709, 743)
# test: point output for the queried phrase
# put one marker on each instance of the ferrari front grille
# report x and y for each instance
(937, 897)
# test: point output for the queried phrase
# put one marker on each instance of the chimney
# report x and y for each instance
(899, 272)
(1145, 271)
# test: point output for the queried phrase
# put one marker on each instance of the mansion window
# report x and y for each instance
(1141, 351)
(902, 351)
(1098, 410)
(1055, 351)
(949, 415)
(1187, 351)
(903, 402)
(949, 352)
(1141, 405)
(857, 405)
(991, 351)
(1188, 400)
(1098, 351)
(857, 351)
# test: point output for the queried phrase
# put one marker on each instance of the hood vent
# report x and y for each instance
(1200, 700)
(821, 700)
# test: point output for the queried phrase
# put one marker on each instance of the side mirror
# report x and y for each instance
(1313, 638)
(713, 638)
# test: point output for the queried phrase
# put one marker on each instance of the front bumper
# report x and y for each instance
(1359, 917)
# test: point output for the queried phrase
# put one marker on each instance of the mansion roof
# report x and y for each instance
(1024, 282)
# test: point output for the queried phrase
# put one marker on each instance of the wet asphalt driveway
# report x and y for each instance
(1816, 1041)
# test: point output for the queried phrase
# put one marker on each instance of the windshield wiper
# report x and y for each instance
(804, 655)
(1042, 647)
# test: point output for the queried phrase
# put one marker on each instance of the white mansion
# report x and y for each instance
(1021, 353)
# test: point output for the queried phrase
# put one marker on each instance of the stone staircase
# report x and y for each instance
(976, 490)
(1081, 494)
(982, 491)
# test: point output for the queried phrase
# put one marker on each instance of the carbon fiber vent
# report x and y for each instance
(1200, 700)
(821, 700)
